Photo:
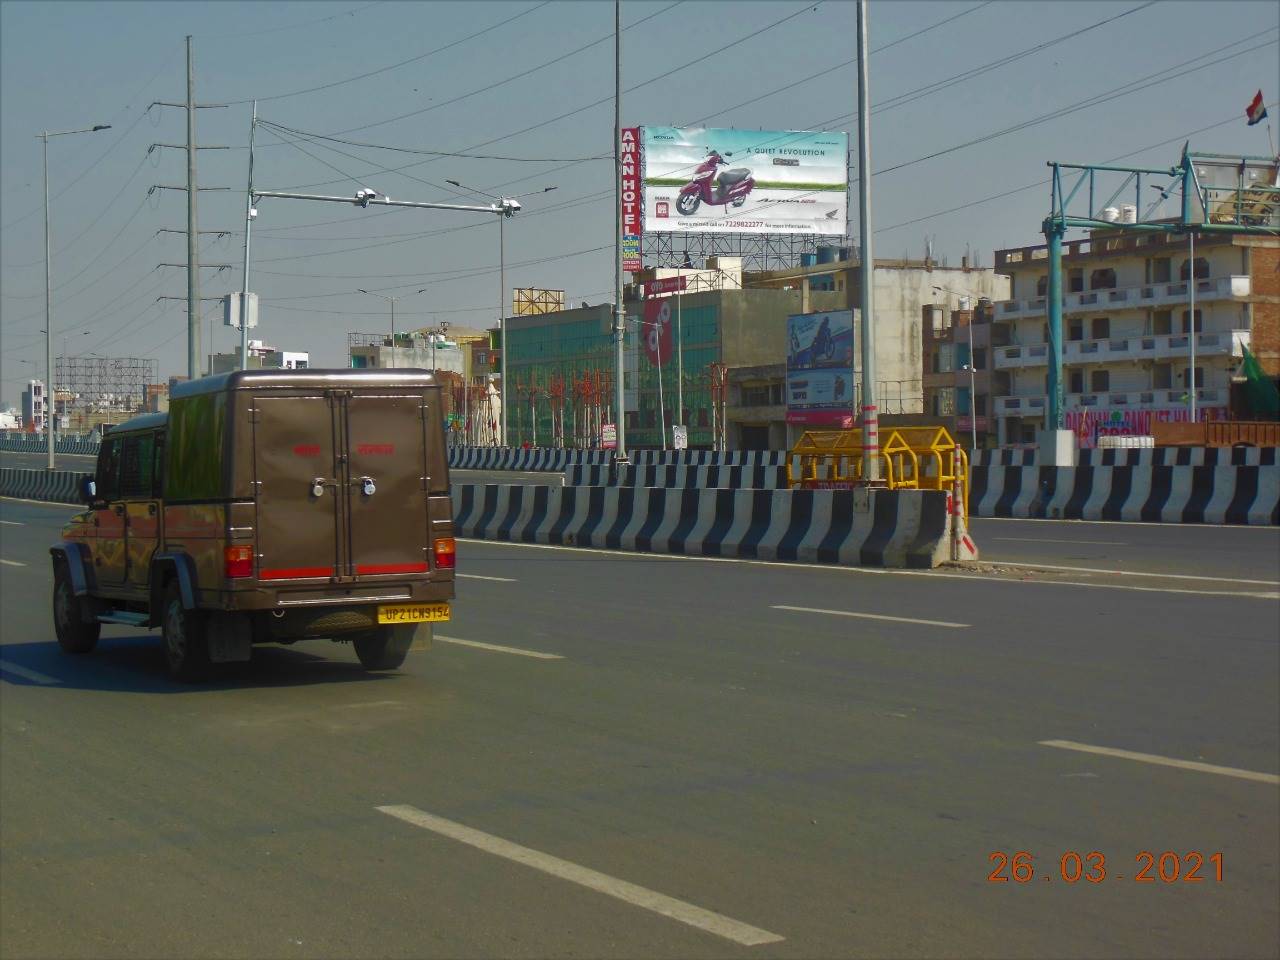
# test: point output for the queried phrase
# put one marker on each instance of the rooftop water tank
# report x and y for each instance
(1111, 214)
(1128, 213)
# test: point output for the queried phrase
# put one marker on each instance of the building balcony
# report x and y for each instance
(1234, 287)
(1227, 343)
(1034, 406)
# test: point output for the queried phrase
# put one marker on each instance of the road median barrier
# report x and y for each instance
(866, 527)
(55, 486)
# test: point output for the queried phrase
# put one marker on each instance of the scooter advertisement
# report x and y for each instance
(710, 180)
(820, 385)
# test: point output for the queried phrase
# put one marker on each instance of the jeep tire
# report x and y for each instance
(384, 648)
(74, 634)
(186, 645)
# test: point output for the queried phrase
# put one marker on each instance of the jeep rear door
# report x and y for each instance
(387, 527)
(298, 477)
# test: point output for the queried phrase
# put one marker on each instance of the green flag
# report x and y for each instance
(1264, 398)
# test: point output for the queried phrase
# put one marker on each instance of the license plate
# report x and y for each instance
(413, 613)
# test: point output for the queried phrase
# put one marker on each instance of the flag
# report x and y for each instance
(1257, 110)
(1264, 397)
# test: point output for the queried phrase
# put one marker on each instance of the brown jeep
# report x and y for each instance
(267, 507)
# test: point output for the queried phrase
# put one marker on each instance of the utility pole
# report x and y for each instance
(870, 420)
(193, 262)
(194, 351)
(248, 229)
(619, 327)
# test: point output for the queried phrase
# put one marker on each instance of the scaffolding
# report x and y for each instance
(115, 385)
(774, 251)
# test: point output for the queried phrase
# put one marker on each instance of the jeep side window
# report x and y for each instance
(137, 466)
(108, 473)
(157, 482)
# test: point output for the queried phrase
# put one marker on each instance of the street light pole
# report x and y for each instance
(50, 393)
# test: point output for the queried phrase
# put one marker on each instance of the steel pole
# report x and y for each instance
(973, 390)
(1191, 331)
(393, 331)
(248, 228)
(870, 418)
(50, 395)
(1053, 416)
(679, 359)
(662, 406)
(193, 257)
(502, 317)
(619, 330)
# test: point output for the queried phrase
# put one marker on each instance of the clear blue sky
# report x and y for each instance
(66, 65)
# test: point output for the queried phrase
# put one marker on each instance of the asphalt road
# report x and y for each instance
(38, 461)
(837, 782)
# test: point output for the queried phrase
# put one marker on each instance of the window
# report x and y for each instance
(1162, 376)
(775, 394)
(980, 358)
(1102, 279)
(1202, 269)
(962, 401)
(756, 396)
(1100, 328)
(107, 476)
(1076, 381)
(1099, 381)
(1075, 280)
(980, 405)
(1199, 377)
(1075, 330)
(1162, 322)
(1159, 270)
(1186, 322)
(137, 467)
(1042, 286)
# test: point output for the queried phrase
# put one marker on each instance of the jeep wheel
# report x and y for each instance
(186, 645)
(74, 635)
(384, 648)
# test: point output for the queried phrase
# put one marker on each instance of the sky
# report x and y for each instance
(514, 97)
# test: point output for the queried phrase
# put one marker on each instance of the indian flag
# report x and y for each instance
(1257, 110)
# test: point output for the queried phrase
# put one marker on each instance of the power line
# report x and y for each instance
(293, 26)
(394, 66)
(422, 151)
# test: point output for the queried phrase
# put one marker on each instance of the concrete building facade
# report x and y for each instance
(1128, 329)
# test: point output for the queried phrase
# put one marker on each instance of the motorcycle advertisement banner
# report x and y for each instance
(710, 180)
(658, 321)
(820, 385)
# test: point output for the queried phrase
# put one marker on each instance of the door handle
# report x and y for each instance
(151, 509)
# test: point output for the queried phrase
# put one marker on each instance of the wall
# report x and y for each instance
(1264, 263)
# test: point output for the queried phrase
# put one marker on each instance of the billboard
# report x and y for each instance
(656, 333)
(820, 384)
(632, 223)
(709, 180)
(1089, 425)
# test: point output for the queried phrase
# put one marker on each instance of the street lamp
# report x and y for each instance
(504, 207)
(48, 274)
(392, 301)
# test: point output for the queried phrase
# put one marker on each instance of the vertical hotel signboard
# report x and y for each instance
(632, 199)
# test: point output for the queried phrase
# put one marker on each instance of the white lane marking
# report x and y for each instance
(476, 576)
(714, 923)
(1134, 573)
(1125, 523)
(12, 563)
(498, 648)
(870, 616)
(369, 703)
(33, 675)
(1099, 543)
(1164, 761)
(11, 523)
(880, 572)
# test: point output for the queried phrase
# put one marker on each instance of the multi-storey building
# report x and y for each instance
(1129, 333)
(957, 369)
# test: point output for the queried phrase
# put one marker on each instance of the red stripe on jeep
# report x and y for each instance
(295, 573)
(373, 568)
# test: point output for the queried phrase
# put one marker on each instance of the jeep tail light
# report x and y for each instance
(445, 552)
(238, 561)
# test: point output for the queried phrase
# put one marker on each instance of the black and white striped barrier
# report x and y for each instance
(28, 445)
(1152, 493)
(516, 458)
(55, 486)
(709, 458)
(683, 477)
(1141, 457)
(904, 528)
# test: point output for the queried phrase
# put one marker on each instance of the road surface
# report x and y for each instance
(620, 755)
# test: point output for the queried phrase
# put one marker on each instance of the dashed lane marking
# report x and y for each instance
(715, 923)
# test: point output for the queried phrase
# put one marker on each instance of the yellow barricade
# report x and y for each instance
(914, 458)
